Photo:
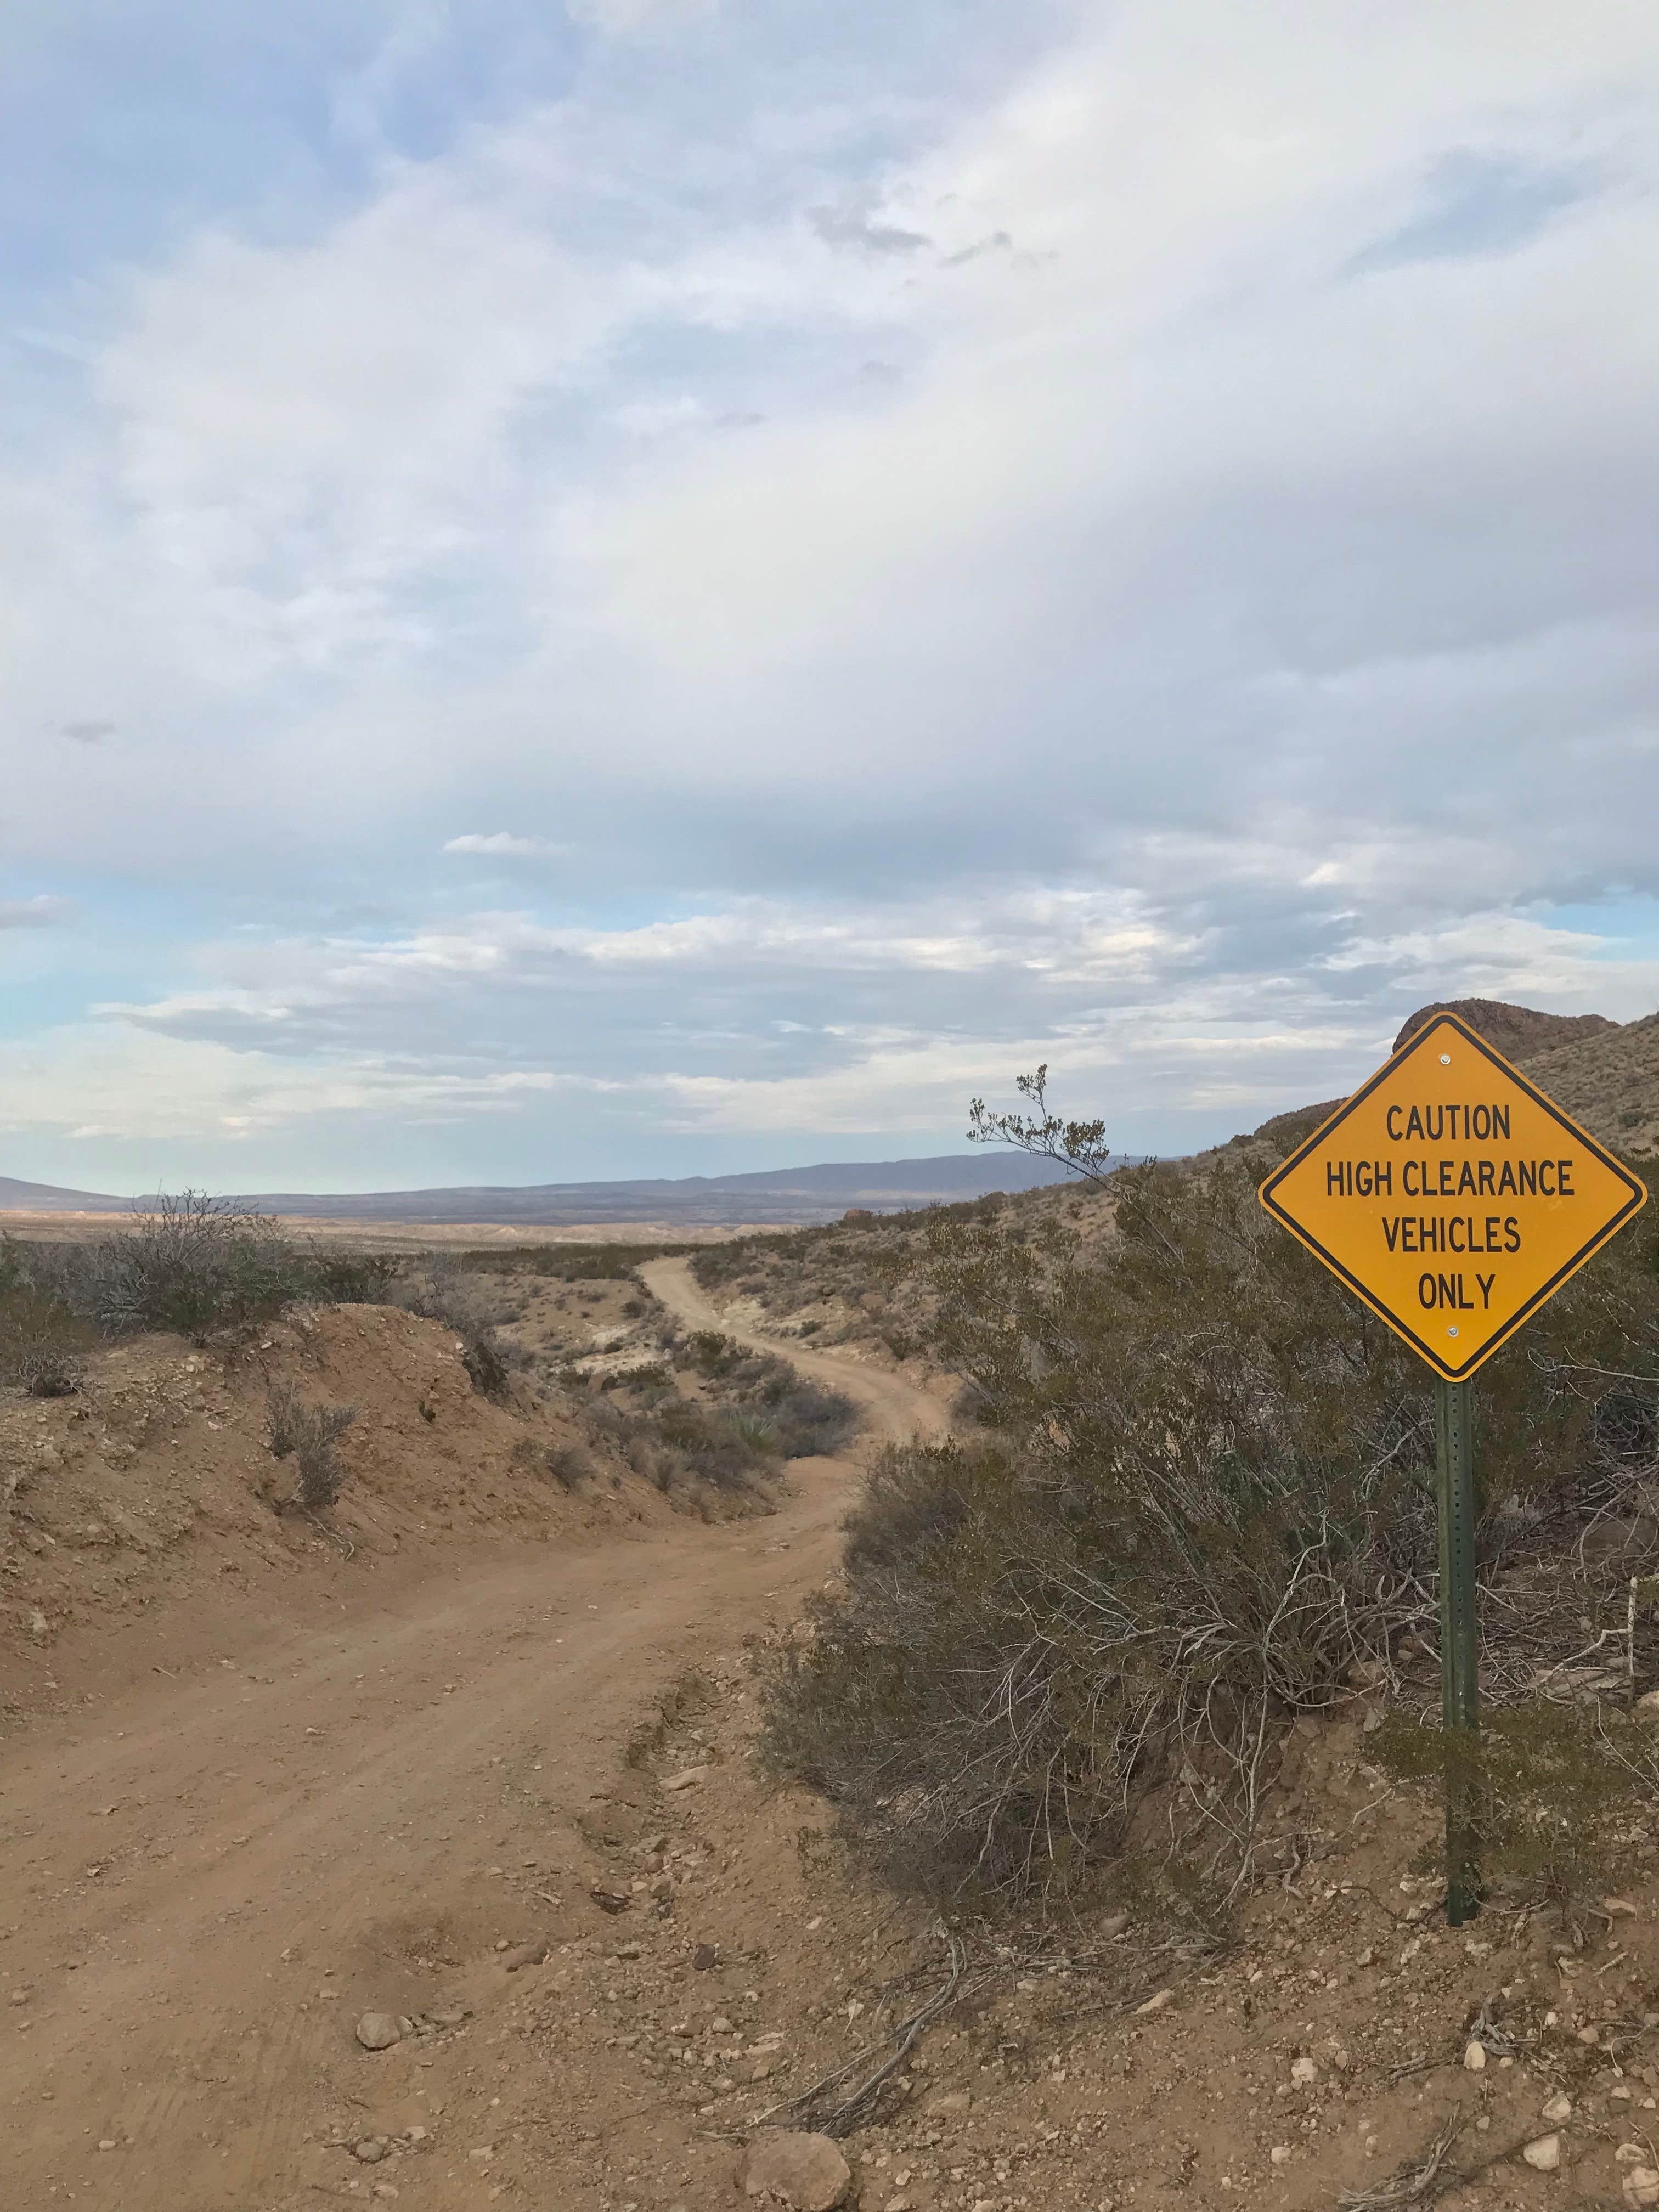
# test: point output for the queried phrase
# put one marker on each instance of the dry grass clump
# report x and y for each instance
(43, 1343)
(308, 1435)
(1205, 1489)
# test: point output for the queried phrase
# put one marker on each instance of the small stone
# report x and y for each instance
(106, 2142)
(484, 2156)
(1304, 2072)
(1543, 2153)
(704, 1958)
(1631, 2153)
(806, 2172)
(1649, 1704)
(524, 1954)
(1474, 2055)
(1280, 2154)
(1620, 1908)
(371, 2150)
(1641, 2187)
(1155, 2004)
(379, 2031)
(1559, 2108)
(688, 1778)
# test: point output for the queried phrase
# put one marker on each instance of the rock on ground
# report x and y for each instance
(806, 2172)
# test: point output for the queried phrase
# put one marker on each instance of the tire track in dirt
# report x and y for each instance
(208, 1880)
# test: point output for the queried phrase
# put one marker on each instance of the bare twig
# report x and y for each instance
(1418, 2181)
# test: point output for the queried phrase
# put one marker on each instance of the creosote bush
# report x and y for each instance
(308, 1435)
(192, 1265)
(1203, 1488)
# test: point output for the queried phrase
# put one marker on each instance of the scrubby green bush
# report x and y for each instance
(799, 1418)
(1206, 1490)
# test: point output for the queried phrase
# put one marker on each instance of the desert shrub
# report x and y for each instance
(568, 1464)
(806, 1420)
(335, 1277)
(43, 1344)
(674, 1443)
(194, 1265)
(799, 1417)
(190, 1264)
(1206, 1489)
(440, 1290)
(308, 1435)
(42, 1341)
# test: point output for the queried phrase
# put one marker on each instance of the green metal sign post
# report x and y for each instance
(1460, 1644)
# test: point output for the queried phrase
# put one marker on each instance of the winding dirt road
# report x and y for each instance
(205, 1882)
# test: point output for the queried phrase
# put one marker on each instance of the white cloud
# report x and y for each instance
(40, 912)
(1223, 611)
(637, 18)
(505, 844)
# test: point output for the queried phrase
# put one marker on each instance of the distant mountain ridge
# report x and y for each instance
(784, 1194)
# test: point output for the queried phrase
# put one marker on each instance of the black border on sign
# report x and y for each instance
(1638, 1199)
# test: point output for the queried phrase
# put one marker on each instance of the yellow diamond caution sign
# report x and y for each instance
(1452, 1195)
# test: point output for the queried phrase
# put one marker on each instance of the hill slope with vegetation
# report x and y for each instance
(1194, 1498)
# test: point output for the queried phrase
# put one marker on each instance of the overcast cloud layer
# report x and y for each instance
(689, 584)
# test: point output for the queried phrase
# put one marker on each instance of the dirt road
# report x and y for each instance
(895, 1407)
(207, 1880)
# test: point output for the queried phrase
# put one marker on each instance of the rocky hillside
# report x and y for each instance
(1518, 1032)
(854, 1284)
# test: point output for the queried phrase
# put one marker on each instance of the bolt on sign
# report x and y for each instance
(1452, 1196)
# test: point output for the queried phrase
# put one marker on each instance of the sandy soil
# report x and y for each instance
(212, 1869)
(354, 1786)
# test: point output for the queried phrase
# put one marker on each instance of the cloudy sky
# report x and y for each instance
(660, 585)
